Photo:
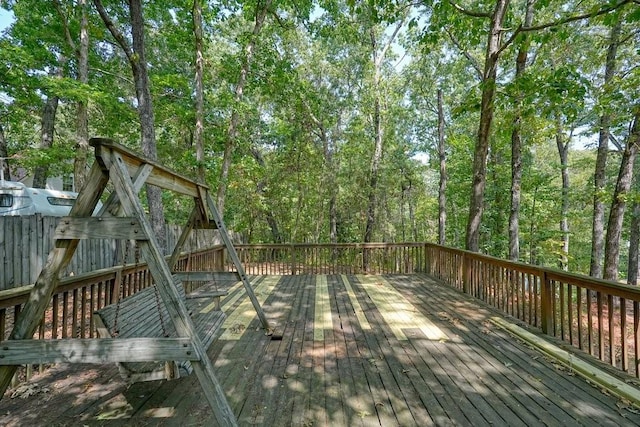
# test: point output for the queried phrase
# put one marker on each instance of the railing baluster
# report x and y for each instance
(579, 317)
(601, 334)
(611, 327)
(636, 338)
(624, 353)
(590, 321)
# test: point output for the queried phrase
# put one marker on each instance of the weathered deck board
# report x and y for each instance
(366, 370)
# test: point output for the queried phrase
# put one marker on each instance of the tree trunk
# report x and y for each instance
(145, 111)
(600, 178)
(634, 234)
(533, 231)
(81, 52)
(47, 128)
(136, 56)
(232, 130)
(276, 236)
(375, 162)
(4, 157)
(442, 189)
(516, 144)
(563, 151)
(476, 203)
(333, 188)
(616, 214)
(412, 215)
(199, 90)
(376, 158)
(80, 170)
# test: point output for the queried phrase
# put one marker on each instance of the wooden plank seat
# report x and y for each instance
(144, 315)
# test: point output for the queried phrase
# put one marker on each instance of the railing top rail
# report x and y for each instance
(328, 245)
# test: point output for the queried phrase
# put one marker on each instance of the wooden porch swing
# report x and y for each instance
(133, 331)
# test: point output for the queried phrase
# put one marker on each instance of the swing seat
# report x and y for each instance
(144, 315)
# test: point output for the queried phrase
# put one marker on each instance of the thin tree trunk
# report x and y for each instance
(328, 148)
(499, 214)
(616, 214)
(145, 110)
(333, 188)
(136, 56)
(267, 211)
(476, 203)
(634, 234)
(600, 178)
(516, 144)
(232, 130)
(563, 151)
(376, 158)
(412, 216)
(81, 52)
(4, 156)
(48, 124)
(199, 89)
(533, 230)
(377, 148)
(442, 189)
(80, 170)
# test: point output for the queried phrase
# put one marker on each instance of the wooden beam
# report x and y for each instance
(99, 228)
(112, 205)
(206, 276)
(99, 350)
(231, 251)
(183, 238)
(160, 176)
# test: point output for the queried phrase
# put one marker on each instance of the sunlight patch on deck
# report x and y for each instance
(396, 310)
(238, 320)
(322, 314)
(362, 319)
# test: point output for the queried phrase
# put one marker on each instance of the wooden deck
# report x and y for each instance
(354, 351)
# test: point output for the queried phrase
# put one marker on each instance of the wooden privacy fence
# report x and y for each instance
(25, 242)
(599, 317)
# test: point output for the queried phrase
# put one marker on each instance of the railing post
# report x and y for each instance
(219, 259)
(545, 303)
(466, 271)
(426, 259)
(293, 259)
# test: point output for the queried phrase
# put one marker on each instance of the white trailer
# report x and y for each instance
(16, 199)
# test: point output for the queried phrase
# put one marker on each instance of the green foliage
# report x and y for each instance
(305, 119)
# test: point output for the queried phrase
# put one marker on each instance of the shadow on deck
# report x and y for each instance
(355, 351)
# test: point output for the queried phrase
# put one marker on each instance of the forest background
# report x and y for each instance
(506, 127)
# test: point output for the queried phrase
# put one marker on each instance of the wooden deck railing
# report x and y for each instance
(347, 258)
(599, 317)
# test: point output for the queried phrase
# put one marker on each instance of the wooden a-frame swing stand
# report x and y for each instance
(128, 172)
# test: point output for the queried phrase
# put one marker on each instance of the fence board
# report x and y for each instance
(25, 243)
